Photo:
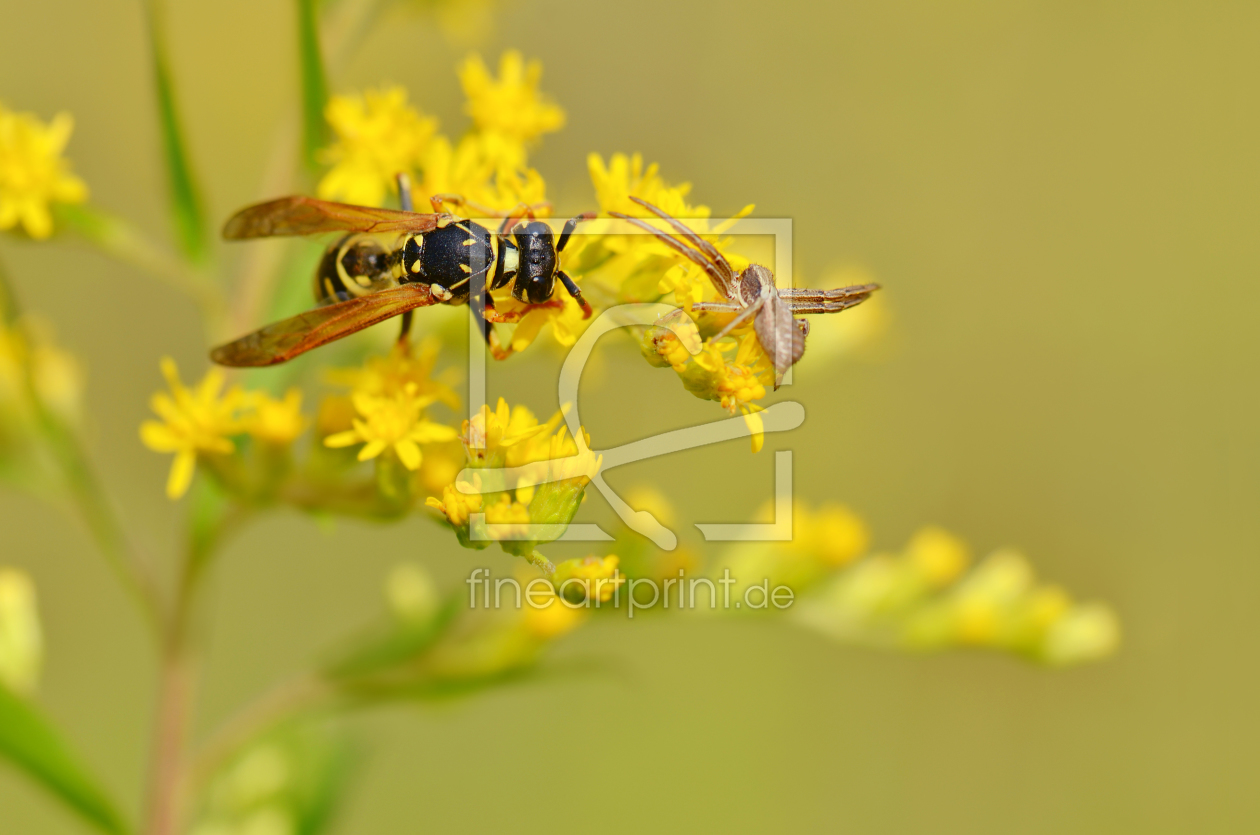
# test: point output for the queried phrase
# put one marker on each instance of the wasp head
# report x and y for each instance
(536, 272)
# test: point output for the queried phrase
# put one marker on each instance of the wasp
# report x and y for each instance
(752, 294)
(438, 258)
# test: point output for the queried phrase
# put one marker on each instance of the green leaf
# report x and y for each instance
(393, 646)
(186, 208)
(33, 745)
(314, 81)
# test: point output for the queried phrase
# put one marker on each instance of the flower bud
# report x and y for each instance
(21, 640)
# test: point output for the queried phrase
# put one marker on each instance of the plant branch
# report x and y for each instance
(84, 487)
(282, 702)
(211, 521)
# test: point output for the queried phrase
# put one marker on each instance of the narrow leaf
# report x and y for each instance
(186, 207)
(33, 745)
(314, 82)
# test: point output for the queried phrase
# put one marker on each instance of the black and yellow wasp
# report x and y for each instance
(438, 258)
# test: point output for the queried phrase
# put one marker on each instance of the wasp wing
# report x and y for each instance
(287, 339)
(308, 216)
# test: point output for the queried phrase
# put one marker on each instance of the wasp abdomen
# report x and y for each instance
(354, 266)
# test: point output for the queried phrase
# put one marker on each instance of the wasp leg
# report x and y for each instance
(522, 210)
(482, 307)
(406, 327)
(570, 227)
(404, 203)
(404, 192)
(571, 286)
(497, 350)
(513, 316)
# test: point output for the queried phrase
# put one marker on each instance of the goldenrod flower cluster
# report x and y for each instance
(505, 476)
(275, 785)
(377, 135)
(37, 377)
(543, 481)
(33, 173)
(386, 440)
(925, 597)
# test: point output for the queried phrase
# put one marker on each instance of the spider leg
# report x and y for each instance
(824, 307)
(812, 295)
(717, 307)
(700, 243)
(741, 317)
(719, 280)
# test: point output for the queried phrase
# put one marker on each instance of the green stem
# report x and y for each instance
(85, 488)
(267, 711)
(211, 522)
(122, 241)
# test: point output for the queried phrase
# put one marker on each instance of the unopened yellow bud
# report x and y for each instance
(412, 594)
(596, 578)
(21, 639)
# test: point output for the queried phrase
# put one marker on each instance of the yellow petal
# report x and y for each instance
(756, 425)
(371, 450)
(159, 437)
(528, 329)
(428, 433)
(409, 453)
(182, 469)
(342, 439)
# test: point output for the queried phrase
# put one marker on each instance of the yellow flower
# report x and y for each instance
(457, 507)
(547, 616)
(33, 173)
(593, 577)
(196, 422)
(21, 640)
(412, 594)
(510, 517)
(277, 422)
(510, 105)
(623, 177)
(1086, 632)
(378, 136)
(56, 375)
(939, 555)
(709, 375)
(567, 322)
(489, 435)
(403, 366)
(392, 422)
(555, 470)
(833, 534)
(487, 170)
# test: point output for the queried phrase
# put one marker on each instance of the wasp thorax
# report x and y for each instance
(536, 270)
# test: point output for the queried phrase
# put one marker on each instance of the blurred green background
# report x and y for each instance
(1061, 200)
